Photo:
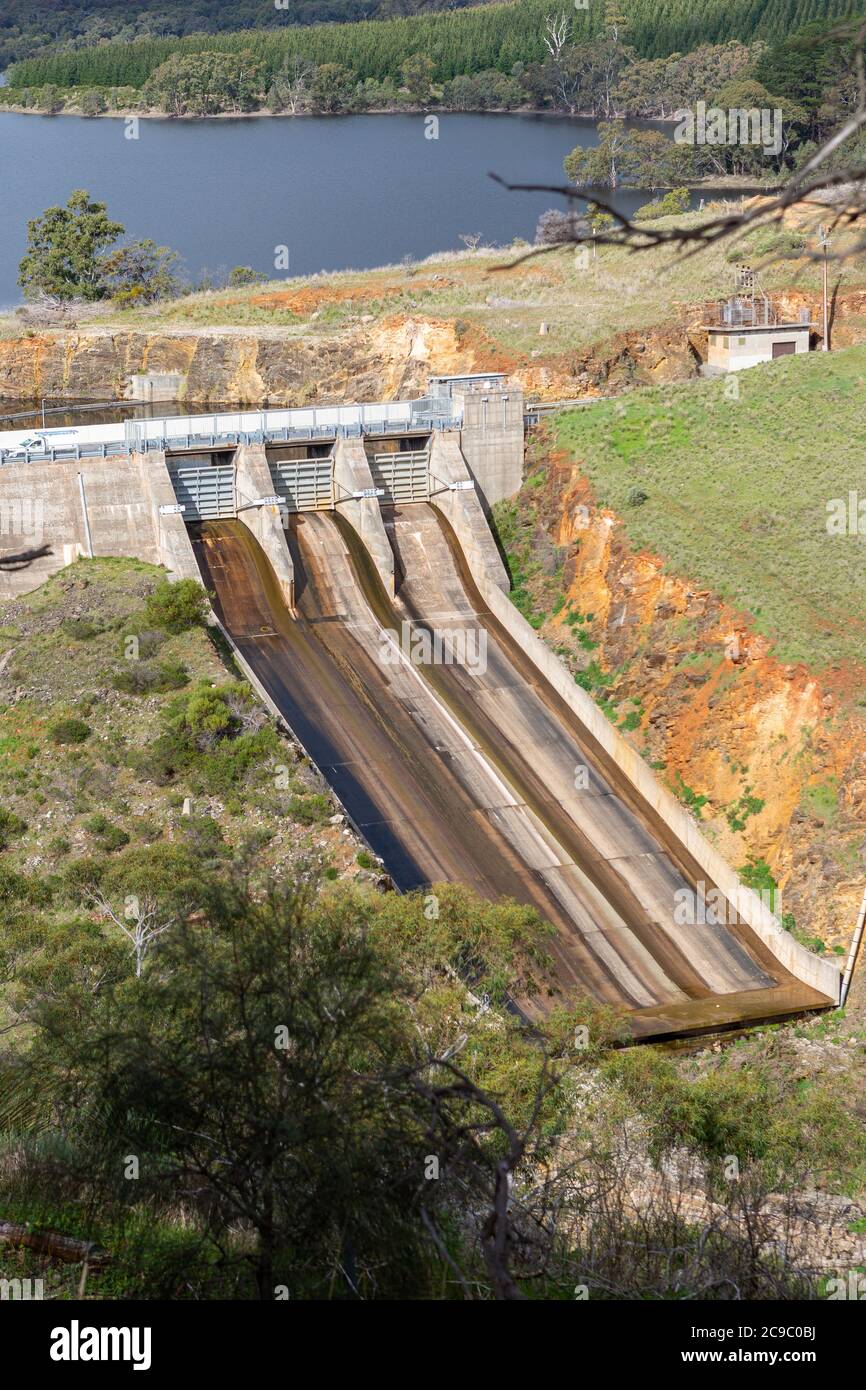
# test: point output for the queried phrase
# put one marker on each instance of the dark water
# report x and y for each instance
(338, 192)
(15, 415)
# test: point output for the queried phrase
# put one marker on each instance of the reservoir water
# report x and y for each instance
(337, 192)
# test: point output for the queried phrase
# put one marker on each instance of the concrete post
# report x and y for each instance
(252, 481)
(352, 475)
(463, 509)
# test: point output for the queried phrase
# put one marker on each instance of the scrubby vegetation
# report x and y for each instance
(315, 1090)
(241, 1074)
(116, 708)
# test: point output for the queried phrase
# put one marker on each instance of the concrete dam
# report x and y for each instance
(351, 565)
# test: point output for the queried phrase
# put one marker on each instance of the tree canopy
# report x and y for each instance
(65, 249)
(71, 254)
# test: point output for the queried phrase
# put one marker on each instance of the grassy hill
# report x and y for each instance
(736, 491)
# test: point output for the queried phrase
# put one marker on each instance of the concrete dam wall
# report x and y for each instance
(449, 770)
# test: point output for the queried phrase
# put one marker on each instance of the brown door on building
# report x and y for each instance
(783, 349)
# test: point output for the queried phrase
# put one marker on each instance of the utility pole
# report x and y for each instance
(43, 412)
(825, 242)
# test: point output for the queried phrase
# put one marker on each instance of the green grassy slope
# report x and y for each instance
(737, 491)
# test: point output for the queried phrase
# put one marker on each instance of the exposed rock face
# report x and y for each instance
(720, 715)
(380, 359)
(378, 362)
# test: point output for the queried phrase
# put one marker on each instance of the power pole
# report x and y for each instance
(825, 242)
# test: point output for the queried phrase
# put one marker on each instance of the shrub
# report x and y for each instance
(177, 607)
(233, 759)
(310, 810)
(202, 836)
(555, 228)
(69, 731)
(106, 836)
(146, 829)
(137, 679)
(10, 826)
(92, 103)
(671, 205)
(163, 759)
(245, 275)
(80, 629)
(592, 677)
(19, 889)
(694, 800)
(150, 641)
(167, 871)
(215, 770)
(80, 877)
(768, 241)
(146, 678)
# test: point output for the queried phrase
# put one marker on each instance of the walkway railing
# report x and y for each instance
(204, 443)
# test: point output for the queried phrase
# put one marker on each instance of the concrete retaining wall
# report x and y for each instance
(822, 975)
(40, 503)
(464, 511)
(253, 480)
(352, 474)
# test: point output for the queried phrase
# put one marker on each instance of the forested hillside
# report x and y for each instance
(28, 27)
(466, 41)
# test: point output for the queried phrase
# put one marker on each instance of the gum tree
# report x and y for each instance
(65, 249)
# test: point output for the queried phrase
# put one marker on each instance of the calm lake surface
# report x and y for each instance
(340, 192)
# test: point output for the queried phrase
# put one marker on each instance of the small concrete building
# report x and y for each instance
(155, 386)
(747, 329)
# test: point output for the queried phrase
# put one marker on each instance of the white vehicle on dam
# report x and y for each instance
(68, 441)
(17, 448)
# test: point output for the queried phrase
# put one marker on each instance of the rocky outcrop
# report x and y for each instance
(374, 358)
(266, 367)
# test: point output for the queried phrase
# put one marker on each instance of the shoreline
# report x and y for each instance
(722, 181)
(265, 113)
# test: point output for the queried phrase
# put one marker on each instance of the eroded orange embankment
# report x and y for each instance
(732, 721)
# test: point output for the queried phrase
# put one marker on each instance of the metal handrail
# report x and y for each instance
(234, 439)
